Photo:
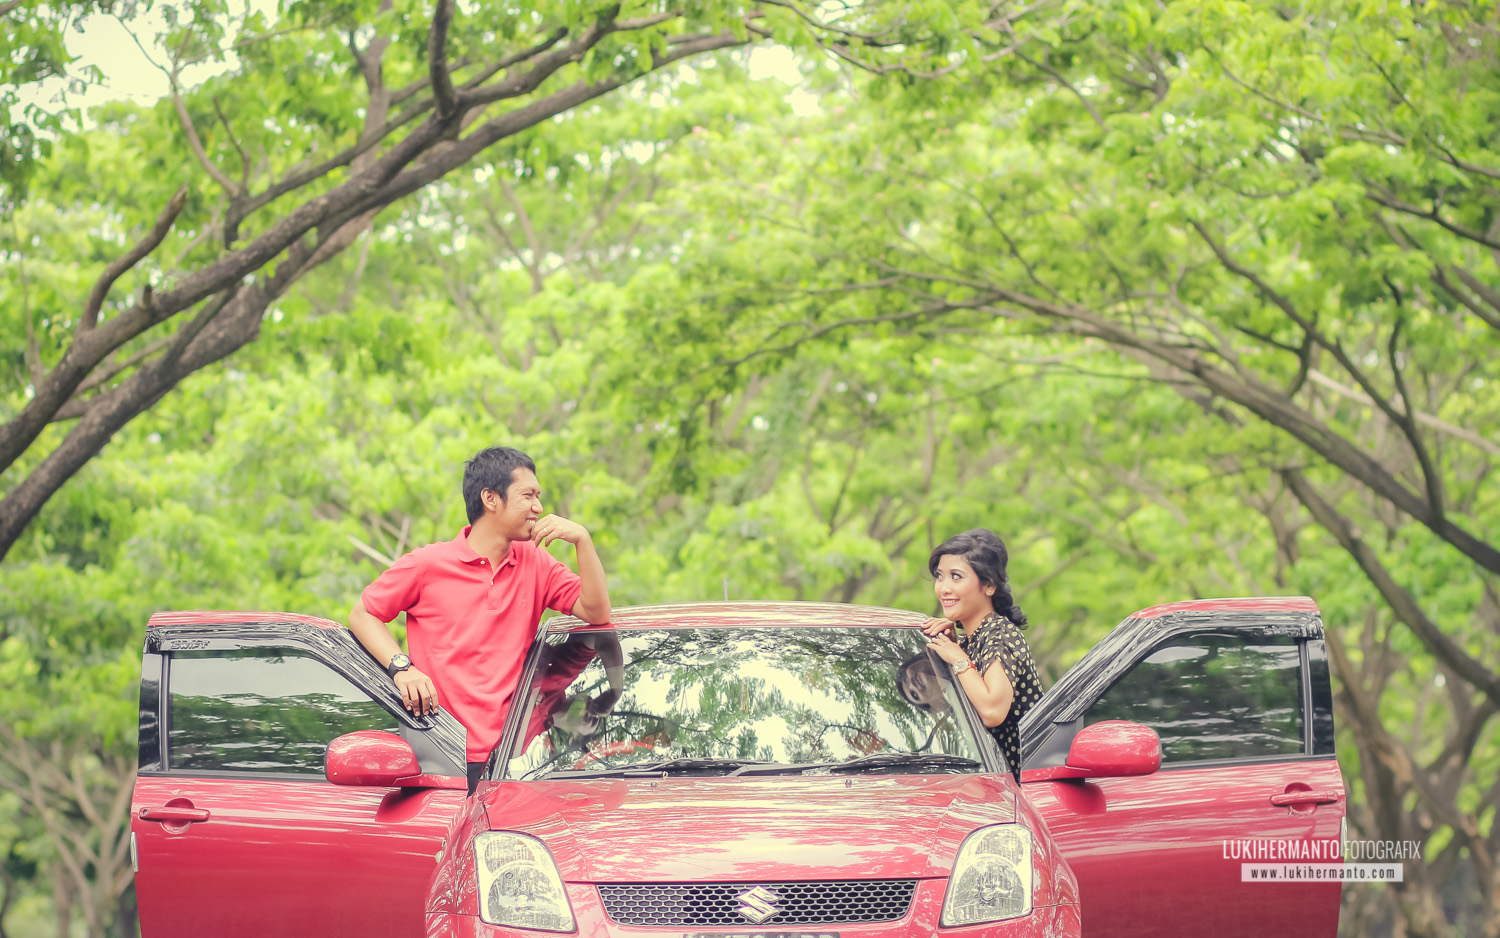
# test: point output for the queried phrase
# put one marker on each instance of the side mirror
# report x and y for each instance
(370, 758)
(1115, 748)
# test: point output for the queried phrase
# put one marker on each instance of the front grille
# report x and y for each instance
(674, 904)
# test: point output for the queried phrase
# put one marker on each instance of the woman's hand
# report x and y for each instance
(940, 626)
(947, 649)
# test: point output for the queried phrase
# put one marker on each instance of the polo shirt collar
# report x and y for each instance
(467, 554)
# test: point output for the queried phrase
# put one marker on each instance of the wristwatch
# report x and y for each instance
(399, 663)
(962, 666)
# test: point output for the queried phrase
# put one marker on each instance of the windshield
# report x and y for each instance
(740, 701)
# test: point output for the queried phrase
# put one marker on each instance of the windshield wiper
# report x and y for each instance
(879, 760)
(661, 767)
(886, 759)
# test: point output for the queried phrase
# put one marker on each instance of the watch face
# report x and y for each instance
(399, 661)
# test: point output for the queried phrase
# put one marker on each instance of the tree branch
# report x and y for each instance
(1271, 406)
(505, 62)
(1058, 77)
(1402, 420)
(244, 160)
(1430, 473)
(535, 266)
(541, 70)
(927, 312)
(1437, 643)
(528, 115)
(423, 155)
(1483, 295)
(196, 145)
(1442, 426)
(437, 59)
(1389, 200)
(129, 259)
(380, 559)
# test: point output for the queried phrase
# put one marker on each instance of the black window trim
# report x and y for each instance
(150, 748)
(1320, 690)
(164, 713)
(1272, 759)
(1304, 666)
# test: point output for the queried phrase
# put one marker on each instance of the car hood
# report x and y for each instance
(737, 829)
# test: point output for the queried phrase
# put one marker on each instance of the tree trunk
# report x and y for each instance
(9, 883)
(62, 900)
(127, 916)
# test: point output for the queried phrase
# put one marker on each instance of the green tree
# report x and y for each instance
(1283, 213)
(334, 113)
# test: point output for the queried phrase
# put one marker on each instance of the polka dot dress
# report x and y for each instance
(998, 639)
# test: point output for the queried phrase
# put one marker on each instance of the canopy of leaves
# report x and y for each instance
(1140, 294)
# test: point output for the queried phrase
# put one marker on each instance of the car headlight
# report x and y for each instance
(991, 877)
(519, 884)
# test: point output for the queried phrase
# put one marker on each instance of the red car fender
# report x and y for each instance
(455, 887)
(1055, 883)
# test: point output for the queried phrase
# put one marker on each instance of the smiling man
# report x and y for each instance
(472, 604)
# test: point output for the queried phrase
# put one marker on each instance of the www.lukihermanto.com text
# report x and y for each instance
(1325, 872)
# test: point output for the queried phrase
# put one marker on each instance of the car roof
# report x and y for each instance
(746, 614)
(239, 617)
(743, 614)
(1233, 604)
(668, 615)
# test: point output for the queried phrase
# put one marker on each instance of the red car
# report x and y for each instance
(777, 770)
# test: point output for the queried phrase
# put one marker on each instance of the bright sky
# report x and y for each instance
(130, 74)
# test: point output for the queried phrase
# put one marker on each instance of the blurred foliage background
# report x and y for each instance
(1181, 298)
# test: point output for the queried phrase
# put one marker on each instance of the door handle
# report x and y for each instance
(174, 813)
(1286, 799)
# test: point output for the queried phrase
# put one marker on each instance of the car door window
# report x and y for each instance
(1213, 697)
(261, 710)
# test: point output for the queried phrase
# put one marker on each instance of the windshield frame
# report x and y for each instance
(497, 768)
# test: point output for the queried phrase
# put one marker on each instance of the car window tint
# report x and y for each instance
(1213, 697)
(767, 694)
(262, 710)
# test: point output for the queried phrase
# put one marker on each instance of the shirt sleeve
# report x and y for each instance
(1014, 655)
(396, 590)
(561, 586)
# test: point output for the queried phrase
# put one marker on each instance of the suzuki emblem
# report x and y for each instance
(758, 904)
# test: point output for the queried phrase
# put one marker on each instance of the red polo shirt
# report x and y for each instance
(468, 627)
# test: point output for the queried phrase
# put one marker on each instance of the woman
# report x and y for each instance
(991, 663)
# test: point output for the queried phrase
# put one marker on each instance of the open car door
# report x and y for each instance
(235, 831)
(1238, 692)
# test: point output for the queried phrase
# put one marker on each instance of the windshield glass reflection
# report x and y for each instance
(741, 701)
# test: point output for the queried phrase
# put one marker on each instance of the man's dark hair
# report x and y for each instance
(494, 469)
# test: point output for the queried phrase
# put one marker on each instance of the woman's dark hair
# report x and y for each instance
(492, 469)
(919, 657)
(983, 550)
